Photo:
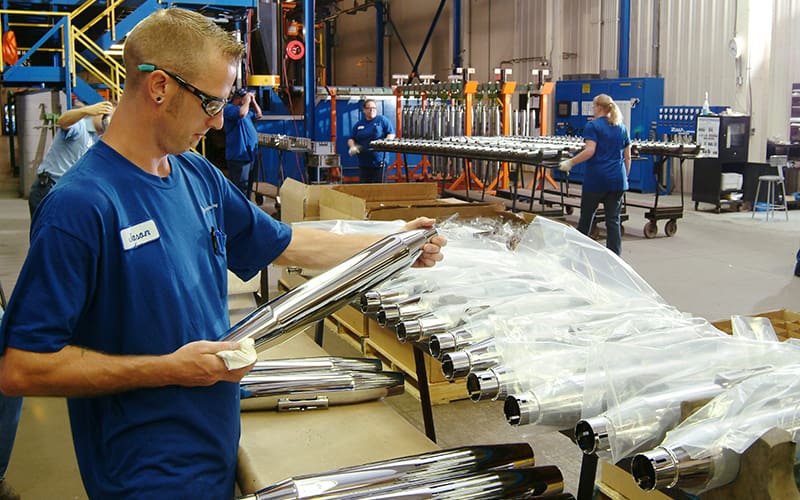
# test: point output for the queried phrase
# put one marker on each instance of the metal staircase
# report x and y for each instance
(63, 43)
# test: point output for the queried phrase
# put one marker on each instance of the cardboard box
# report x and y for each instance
(396, 201)
(786, 323)
(299, 201)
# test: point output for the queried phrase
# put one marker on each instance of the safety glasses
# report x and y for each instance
(212, 105)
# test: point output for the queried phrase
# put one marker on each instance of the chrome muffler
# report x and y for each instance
(277, 320)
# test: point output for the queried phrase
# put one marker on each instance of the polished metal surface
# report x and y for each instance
(265, 390)
(318, 297)
(409, 470)
(421, 328)
(317, 363)
(487, 485)
(482, 355)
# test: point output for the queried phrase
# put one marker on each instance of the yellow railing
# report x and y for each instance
(115, 74)
(14, 12)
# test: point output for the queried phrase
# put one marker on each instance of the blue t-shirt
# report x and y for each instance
(123, 262)
(605, 171)
(241, 138)
(365, 132)
(68, 147)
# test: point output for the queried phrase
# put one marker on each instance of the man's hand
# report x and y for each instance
(566, 165)
(197, 364)
(431, 251)
(100, 108)
(354, 150)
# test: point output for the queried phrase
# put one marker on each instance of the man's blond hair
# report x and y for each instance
(177, 40)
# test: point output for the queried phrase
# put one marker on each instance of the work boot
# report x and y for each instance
(7, 492)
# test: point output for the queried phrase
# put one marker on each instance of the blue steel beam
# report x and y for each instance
(457, 62)
(309, 84)
(415, 69)
(624, 37)
(380, 25)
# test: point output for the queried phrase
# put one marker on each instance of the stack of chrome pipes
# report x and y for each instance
(570, 337)
(475, 472)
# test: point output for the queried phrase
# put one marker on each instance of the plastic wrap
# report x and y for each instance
(643, 407)
(596, 272)
(713, 438)
(755, 328)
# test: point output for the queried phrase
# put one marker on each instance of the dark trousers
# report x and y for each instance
(41, 186)
(612, 205)
(797, 266)
(239, 174)
(370, 175)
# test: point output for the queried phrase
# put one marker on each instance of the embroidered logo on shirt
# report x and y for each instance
(139, 234)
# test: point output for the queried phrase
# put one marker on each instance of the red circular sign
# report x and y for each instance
(295, 50)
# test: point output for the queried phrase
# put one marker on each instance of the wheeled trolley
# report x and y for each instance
(655, 212)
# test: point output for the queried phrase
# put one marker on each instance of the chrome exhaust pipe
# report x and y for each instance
(421, 328)
(487, 485)
(325, 363)
(492, 384)
(480, 356)
(315, 299)
(560, 407)
(410, 469)
(392, 314)
(315, 389)
(460, 338)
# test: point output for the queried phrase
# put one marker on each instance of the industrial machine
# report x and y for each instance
(725, 140)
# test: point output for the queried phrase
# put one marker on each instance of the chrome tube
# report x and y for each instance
(559, 407)
(327, 363)
(647, 419)
(304, 390)
(460, 338)
(488, 485)
(672, 466)
(479, 356)
(315, 299)
(495, 383)
(421, 328)
(410, 469)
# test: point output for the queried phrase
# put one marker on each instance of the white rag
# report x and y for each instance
(245, 355)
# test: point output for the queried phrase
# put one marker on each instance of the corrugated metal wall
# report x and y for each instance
(684, 41)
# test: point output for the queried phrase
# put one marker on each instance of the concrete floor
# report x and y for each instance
(716, 265)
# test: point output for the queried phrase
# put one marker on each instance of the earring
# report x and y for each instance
(158, 99)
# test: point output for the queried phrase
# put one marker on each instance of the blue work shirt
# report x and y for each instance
(128, 263)
(605, 171)
(68, 147)
(366, 131)
(241, 138)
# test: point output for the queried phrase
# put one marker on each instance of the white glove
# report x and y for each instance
(245, 355)
(354, 150)
(566, 165)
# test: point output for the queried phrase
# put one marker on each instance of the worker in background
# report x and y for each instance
(607, 153)
(241, 139)
(80, 128)
(122, 298)
(373, 126)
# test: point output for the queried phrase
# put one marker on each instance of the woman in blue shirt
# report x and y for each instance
(607, 153)
(372, 127)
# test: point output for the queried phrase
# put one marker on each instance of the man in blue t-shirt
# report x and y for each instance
(241, 138)
(372, 127)
(122, 299)
(79, 129)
